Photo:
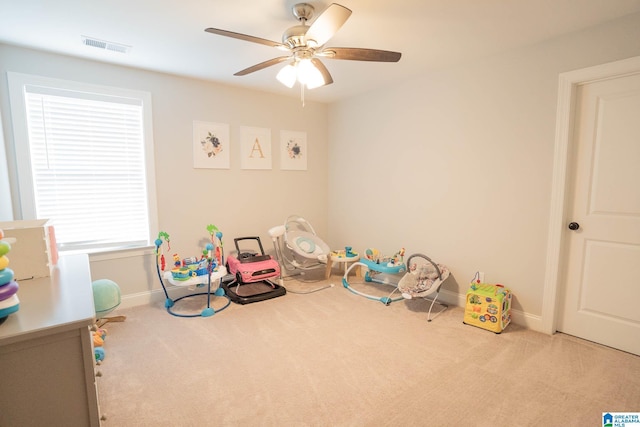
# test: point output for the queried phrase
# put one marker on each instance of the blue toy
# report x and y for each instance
(98, 352)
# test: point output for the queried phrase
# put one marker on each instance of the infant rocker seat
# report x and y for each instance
(422, 280)
(297, 245)
(250, 274)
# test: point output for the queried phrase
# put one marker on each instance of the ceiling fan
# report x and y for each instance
(306, 45)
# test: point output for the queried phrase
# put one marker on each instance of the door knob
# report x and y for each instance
(574, 226)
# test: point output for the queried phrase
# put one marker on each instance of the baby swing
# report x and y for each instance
(297, 246)
(423, 280)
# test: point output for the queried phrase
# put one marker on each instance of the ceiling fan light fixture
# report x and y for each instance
(288, 75)
(309, 75)
(306, 45)
(302, 71)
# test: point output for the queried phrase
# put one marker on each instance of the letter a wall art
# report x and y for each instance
(255, 148)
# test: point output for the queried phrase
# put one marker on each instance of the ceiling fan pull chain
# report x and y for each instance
(302, 93)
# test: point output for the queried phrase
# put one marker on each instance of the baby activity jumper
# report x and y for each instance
(194, 272)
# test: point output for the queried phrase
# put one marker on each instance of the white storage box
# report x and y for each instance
(34, 253)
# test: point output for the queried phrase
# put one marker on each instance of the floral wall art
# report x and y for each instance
(211, 147)
(293, 150)
(255, 148)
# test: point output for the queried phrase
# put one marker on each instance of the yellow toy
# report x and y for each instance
(99, 336)
(488, 306)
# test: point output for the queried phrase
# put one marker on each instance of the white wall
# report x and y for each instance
(457, 164)
(239, 202)
(6, 204)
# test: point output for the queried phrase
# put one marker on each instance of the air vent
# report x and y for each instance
(102, 44)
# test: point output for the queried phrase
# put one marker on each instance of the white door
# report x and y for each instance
(601, 288)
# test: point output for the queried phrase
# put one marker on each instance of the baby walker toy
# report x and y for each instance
(377, 266)
(193, 271)
(251, 272)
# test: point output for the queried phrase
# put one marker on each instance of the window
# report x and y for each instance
(85, 161)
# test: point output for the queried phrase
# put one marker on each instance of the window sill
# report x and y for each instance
(115, 253)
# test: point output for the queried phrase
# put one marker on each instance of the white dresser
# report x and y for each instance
(47, 375)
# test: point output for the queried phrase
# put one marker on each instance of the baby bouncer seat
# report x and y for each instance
(424, 279)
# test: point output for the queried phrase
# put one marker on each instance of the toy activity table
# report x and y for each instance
(343, 257)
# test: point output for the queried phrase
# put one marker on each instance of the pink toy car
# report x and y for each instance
(249, 267)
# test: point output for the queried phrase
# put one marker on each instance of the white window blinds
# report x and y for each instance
(88, 167)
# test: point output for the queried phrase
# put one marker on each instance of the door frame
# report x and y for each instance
(557, 235)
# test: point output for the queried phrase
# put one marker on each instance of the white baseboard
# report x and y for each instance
(153, 297)
(156, 296)
(518, 317)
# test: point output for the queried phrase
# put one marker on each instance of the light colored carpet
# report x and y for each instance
(332, 358)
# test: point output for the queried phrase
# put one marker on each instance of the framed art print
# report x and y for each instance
(293, 150)
(211, 146)
(255, 148)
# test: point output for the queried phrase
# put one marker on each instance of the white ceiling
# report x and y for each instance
(169, 36)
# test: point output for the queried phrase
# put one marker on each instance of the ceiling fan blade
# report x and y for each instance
(358, 54)
(327, 24)
(262, 65)
(323, 70)
(244, 37)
